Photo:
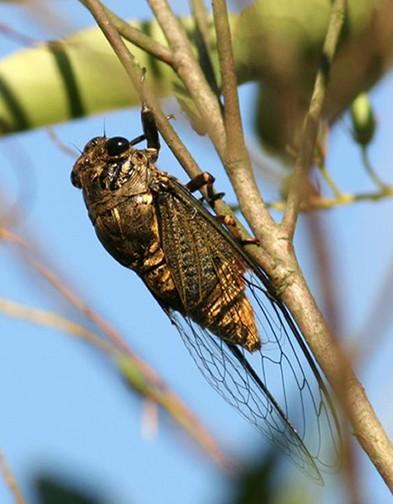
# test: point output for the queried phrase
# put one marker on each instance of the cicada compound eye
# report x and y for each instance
(75, 180)
(116, 146)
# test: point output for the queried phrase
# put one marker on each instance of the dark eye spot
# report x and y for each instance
(92, 143)
(116, 146)
(75, 179)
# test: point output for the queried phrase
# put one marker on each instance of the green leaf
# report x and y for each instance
(56, 490)
(59, 81)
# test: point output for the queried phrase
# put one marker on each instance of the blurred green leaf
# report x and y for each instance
(258, 484)
(54, 490)
(255, 485)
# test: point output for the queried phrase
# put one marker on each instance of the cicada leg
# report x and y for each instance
(150, 128)
(150, 132)
(230, 222)
(205, 179)
(137, 140)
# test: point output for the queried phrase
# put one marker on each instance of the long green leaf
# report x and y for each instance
(276, 42)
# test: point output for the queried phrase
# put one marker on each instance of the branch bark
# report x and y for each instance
(191, 73)
(312, 121)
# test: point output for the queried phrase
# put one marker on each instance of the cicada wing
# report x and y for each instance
(192, 246)
(229, 371)
(278, 388)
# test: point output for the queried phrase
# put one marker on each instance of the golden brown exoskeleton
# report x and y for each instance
(149, 222)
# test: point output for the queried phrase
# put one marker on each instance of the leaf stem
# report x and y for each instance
(310, 131)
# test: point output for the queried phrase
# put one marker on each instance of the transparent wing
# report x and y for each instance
(277, 388)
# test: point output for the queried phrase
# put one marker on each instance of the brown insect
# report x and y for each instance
(242, 338)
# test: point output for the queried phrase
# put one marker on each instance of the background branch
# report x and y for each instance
(10, 481)
(191, 73)
(140, 39)
(312, 120)
(237, 160)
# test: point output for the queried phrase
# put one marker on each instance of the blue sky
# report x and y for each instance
(63, 408)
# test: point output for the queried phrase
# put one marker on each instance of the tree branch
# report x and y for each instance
(338, 369)
(237, 159)
(313, 203)
(10, 481)
(287, 277)
(140, 39)
(191, 73)
(311, 124)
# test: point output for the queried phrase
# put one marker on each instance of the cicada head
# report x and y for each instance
(106, 164)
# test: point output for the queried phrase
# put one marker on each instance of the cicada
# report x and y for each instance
(239, 333)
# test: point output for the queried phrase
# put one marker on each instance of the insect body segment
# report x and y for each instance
(241, 337)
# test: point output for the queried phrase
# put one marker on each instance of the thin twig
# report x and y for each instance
(370, 169)
(204, 44)
(17, 36)
(191, 73)
(237, 159)
(329, 180)
(200, 14)
(323, 203)
(140, 39)
(10, 480)
(377, 321)
(54, 321)
(232, 118)
(54, 137)
(101, 15)
(311, 124)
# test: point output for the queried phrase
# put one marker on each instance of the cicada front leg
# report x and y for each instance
(150, 132)
(205, 179)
